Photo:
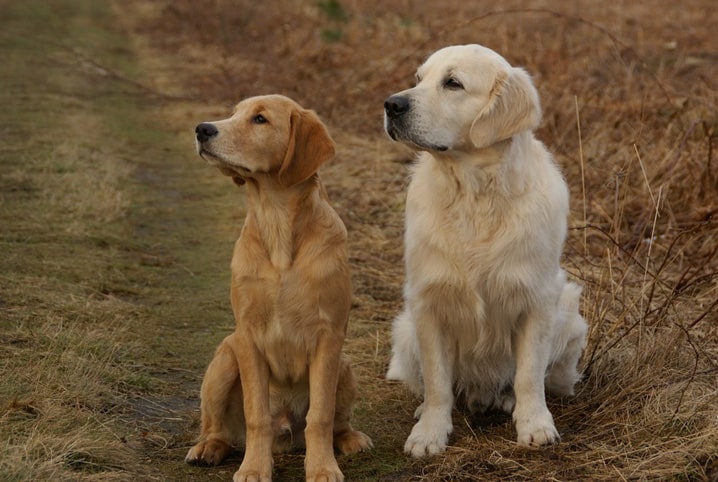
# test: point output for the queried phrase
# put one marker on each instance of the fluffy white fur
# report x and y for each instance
(489, 316)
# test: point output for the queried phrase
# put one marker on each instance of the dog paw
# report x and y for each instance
(251, 476)
(352, 441)
(326, 476)
(506, 402)
(429, 436)
(326, 472)
(537, 431)
(208, 452)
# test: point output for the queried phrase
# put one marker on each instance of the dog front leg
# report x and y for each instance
(254, 371)
(534, 422)
(320, 463)
(430, 434)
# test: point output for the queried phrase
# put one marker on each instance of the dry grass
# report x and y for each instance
(629, 95)
(114, 274)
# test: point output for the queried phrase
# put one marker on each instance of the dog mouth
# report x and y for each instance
(222, 164)
(211, 158)
(400, 134)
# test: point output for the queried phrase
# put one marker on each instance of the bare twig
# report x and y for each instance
(583, 176)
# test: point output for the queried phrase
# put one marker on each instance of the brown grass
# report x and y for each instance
(128, 254)
(629, 95)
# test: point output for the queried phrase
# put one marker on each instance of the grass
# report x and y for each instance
(116, 238)
(105, 249)
(65, 348)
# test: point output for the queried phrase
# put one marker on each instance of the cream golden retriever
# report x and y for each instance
(280, 379)
(489, 317)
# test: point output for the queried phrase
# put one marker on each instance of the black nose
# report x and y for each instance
(396, 105)
(205, 131)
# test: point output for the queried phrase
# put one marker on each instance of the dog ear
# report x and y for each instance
(513, 107)
(309, 147)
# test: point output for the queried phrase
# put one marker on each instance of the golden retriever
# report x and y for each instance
(489, 316)
(280, 379)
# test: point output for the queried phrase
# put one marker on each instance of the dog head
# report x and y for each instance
(466, 97)
(266, 135)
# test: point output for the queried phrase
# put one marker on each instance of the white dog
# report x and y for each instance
(489, 316)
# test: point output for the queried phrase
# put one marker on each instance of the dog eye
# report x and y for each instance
(259, 119)
(453, 84)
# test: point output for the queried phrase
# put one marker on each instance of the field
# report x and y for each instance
(116, 236)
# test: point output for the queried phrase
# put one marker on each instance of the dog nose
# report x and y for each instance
(205, 131)
(396, 105)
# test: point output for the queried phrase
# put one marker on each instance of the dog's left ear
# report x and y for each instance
(309, 147)
(513, 107)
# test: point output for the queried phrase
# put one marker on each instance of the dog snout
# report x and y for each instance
(205, 131)
(396, 105)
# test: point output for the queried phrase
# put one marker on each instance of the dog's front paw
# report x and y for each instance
(208, 452)
(254, 469)
(429, 436)
(537, 430)
(328, 473)
(326, 476)
(251, 476)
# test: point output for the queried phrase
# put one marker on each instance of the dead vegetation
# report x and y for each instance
(629, 93)
(629, 96)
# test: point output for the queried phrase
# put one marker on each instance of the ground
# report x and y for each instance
(116, 237)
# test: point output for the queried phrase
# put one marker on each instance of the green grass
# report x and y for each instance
(114, 265)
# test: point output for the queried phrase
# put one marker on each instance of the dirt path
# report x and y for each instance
(115, 241)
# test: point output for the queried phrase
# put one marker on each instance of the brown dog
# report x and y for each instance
(280, 378)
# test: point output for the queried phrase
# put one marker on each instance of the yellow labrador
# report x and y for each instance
(280, 378)
(489, 316)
